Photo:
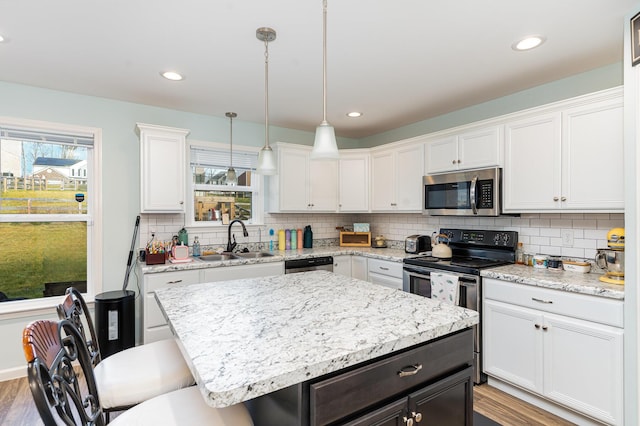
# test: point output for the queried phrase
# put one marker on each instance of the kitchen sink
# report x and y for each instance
(253, 254)
(217, 257)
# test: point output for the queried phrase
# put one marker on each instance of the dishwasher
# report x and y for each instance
(321, 263)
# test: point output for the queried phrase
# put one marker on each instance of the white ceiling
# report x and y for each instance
(397, 61)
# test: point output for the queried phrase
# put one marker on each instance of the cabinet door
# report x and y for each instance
(480, 148)
(532, 164)
(353, 189)
(342, 265)
(393, 414)
(583, 366)
(323, 185)
(383, 181)
(442, 155)
(293, 174)
(592, 157)
(359, 267)
(162, 169)
(446, 402)
(154, 324)
(409, 170)
(256, 270)
(512, 344)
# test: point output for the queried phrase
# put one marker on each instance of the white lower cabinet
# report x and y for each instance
(154, 326)
(255, 270)
(573, 359)
(385, 272)
(342, 265)
(359, 267)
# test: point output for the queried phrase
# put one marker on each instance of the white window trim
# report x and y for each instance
(258, 217)
(94, 238)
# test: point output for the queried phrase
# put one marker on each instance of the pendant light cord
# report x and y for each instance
(231, 141)
(266, 94)
(324, 61)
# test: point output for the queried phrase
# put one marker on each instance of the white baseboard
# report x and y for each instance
(13, 373)
(545, 404)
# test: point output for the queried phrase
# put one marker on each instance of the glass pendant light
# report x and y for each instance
(266, 157)
(324, 145)
(232, 179)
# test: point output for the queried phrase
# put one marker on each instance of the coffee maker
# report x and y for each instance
(612, 259)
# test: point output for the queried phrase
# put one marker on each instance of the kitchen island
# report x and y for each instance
(304, 348)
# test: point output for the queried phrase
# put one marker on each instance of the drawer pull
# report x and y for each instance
(174, 282)
(410, 370)
(383, 268)
(535, 299)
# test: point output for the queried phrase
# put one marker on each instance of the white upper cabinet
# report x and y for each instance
(567, 158)
(465, 149)
(302, 184)
(162, 169)
(353, 181)
(396, 178)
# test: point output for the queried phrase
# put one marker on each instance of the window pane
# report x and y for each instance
(211, 205)
(44, 258)
(42, 178)
(212, 175)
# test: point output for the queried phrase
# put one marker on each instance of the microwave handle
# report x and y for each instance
(472, 194)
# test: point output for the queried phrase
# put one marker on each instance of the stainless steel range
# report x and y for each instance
(472, 250)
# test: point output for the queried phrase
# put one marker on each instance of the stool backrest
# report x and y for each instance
(61, 393)
(74, 309)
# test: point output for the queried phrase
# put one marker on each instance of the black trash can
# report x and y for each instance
(115, 321)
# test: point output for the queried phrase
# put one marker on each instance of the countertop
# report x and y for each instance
(394, 255)
(573, 282)
(249, 337)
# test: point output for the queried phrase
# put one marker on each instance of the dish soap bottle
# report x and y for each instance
(196, 247)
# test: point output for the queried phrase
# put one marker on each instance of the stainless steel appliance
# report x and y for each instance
(472, 250)
(472, 193)
(324, 263)
(417, 244)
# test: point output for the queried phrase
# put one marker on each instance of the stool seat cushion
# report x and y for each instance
(183, 407)
(134, 375)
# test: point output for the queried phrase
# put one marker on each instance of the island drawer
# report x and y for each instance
(356, 390)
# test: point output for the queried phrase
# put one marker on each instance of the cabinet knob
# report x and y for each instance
(537, 326)
(545, 328)
(563, 199)
(417, 416)
(453, 162)
(181, 202)
(408, 421)
(555, 198)
(459, 161)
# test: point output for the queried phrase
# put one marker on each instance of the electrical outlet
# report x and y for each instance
(567, 237)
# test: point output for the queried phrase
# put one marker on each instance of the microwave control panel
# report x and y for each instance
(484, 197)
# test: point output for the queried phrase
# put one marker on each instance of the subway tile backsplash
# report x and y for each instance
(539, 232)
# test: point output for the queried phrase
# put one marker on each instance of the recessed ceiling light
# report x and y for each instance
(172, 75)
(528, 42)
(354, 114)
(2, 38)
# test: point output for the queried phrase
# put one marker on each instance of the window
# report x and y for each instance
(48, 211)
(213, 200)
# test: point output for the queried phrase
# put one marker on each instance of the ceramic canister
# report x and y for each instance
(540, 261)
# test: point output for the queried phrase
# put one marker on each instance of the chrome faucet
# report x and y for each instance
(232, 245)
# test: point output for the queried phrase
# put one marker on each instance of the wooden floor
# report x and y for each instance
(17, 407)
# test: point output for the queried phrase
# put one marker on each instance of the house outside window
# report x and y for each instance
(48, 210)
(213, 201)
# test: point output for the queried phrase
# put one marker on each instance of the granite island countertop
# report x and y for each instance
(246, 338)
(556, 279)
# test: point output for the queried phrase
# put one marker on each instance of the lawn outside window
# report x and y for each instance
(49, 192)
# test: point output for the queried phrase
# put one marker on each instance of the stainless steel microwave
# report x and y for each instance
(470, 193)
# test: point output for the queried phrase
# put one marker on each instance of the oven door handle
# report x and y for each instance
(472, 194)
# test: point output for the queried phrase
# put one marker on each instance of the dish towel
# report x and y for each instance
(444, 288)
